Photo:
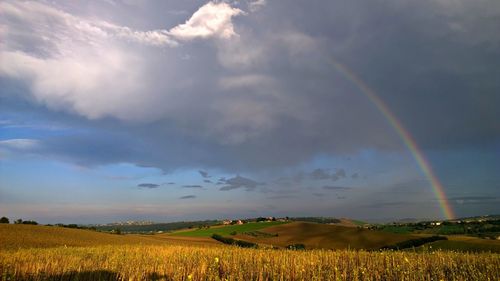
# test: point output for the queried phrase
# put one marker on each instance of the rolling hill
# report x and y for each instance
(314, 235)
(227, 229)
(15, 236)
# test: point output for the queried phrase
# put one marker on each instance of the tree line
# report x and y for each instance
(18, 221)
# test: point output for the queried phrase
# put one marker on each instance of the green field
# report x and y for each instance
(465, 246)
(398, 229)
(227, 230)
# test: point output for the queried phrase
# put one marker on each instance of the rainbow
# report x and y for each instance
(408, 140)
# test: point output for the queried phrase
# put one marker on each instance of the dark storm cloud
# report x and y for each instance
(478, 198)
(340, 188)
(204, 174)
(240, 182)
(188, 197)
(268, 97)
(340, 173)
(148, 185)
(388, 204)
(278, 197)
(474, 200)
(320, 174)
(192, 186)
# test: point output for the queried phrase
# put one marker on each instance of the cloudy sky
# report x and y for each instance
(173, 110)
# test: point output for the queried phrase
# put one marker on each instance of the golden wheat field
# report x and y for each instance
(174, 262)
(53, 253)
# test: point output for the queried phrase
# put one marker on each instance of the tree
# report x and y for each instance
(4, 220)
(18, 221)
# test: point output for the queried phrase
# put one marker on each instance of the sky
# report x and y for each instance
(184, 110)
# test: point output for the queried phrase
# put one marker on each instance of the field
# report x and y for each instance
(466, 244)
(52, 253)
(324, 236)
(228, 229)
(37, 236)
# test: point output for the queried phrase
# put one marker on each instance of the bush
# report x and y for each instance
(296, 247)
(231, 241)
(245, 244)
(225, 240)
(413, 243)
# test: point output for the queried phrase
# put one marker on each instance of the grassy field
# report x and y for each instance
(324, 236)
(45, 253)
(227, 229)
(398, 229)
(466, 244)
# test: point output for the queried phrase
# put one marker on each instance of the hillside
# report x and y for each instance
(227, 229)
(15, 236)
(461, 243)
(314, 235)
(155, 227)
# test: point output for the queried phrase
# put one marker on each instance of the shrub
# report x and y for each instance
(245, 244)
(296, 247)
(231, 241)
(413, 243)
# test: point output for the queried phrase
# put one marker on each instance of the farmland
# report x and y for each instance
(36, 236)
(53, 253)
(322, 236)
(227, 230)
(173, 262)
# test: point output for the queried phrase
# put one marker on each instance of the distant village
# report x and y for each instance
(223, 222)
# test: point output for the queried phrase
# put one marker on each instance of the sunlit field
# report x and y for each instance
(227, 230)
(54, 253)
(231, 263)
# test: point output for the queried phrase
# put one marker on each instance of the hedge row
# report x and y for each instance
(413, 243)
(231, 241)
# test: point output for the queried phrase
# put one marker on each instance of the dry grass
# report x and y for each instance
(230, 263)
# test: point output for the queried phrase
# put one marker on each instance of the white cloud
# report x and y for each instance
(87, 66)
(19, 144)
(256, 5)
(212, 19)
(43, 19)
